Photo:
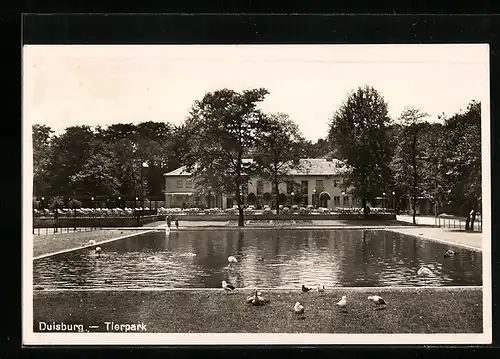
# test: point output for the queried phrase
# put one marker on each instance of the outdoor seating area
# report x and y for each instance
(91, 212)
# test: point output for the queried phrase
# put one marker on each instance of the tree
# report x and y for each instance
(224, 125)
(407, 162)
(41, 137)
(320, 148)
(97, 175)
(70, 152)
(359, 128)
(278, 150)
(462, 165)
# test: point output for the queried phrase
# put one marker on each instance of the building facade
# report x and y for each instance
(318, 182)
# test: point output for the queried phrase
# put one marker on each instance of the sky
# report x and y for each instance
(101, 84)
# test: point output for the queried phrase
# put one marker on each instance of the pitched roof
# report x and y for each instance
(308, 166)
(320, 167)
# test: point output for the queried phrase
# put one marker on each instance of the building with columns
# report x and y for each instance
(317, 181)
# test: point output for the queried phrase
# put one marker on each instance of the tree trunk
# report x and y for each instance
(241, 222)
(414, 165)
(276, 185)
(467, 221)
(414, 208)
(365, 208)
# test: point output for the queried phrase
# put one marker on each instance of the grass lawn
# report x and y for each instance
(44, 244)
(409, 310)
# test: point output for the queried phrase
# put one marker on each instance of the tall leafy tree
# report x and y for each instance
(462, 163)
(224, 125)
(409, 155)
(41, 137)
(97, 177)
(123, 139)
(278, 150)
(70, 152)
(359, 128)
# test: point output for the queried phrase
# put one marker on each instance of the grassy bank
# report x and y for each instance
(409, 310)
(55, 242)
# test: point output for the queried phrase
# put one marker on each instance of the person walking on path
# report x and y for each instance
(177, 223)
(169, 221)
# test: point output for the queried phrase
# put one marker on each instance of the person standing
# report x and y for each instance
(177, 223)
(169, 221)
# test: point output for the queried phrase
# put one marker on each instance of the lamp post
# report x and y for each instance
(291, 199)
(143, 165)
(393, 201)
(314, 195)
(119, 202)
(383, 200)
(92, 206)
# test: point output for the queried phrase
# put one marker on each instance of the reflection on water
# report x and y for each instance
(271, 258)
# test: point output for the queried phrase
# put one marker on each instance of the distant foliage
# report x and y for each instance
(56, 202)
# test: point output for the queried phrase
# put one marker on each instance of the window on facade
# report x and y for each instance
(260, 187)
(189, 184)
(346, 200)
(319, 185)
(335, 183)
(336, 200)
(304, 187)
(179, 184)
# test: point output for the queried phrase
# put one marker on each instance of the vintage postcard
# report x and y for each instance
(263, 194)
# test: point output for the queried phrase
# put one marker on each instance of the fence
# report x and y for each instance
(457, 223)
(94, 220)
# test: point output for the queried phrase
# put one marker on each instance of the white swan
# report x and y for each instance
(232, 259)
(424, 271)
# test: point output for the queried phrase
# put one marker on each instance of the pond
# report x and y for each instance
(274, 258)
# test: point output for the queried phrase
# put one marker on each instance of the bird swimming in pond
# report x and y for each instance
(305, 289)
(449, 253)
(227, 287)
(91, 242)
(232, 259)
(342, 303)
(298, 308)
(320, 288)
(98, 250)
(378, 300)
(424, 272)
